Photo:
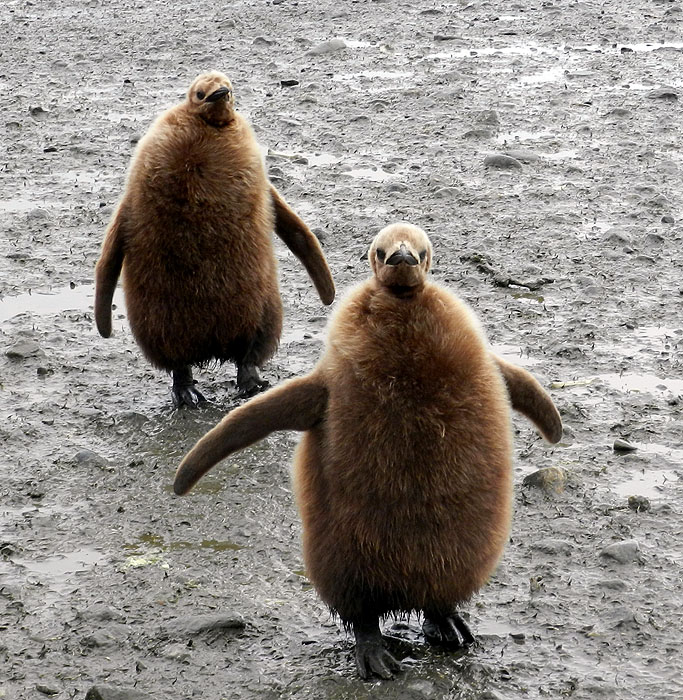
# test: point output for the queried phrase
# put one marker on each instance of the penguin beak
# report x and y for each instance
(217, 94)
(402, 255)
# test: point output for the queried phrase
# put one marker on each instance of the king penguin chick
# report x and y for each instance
(192, 233)
(403, 476)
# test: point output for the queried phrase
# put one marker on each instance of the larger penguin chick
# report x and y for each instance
(403, 475)
(193, 235)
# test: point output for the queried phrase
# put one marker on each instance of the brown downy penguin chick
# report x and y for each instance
(193, 234)
(403, 477)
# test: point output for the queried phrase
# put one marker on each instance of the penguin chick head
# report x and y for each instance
(400, 257)
(211, 98)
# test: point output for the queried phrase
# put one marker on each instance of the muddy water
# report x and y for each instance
(572, 259)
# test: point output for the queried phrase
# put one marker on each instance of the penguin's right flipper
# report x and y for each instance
(299, 239)
(298, 404)
(529, 398)
(107, 272)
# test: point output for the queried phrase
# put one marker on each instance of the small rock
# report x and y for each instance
(622, 552)
(203, 623)
(23, 349)
(479, 133)
(664, 93)
(88, 458)
(46, 690)
(621, 445)
(328, 47)
(616, 236)
(262, 41)
(499, 161)
(177, 652)
(548, 479)
(666, 219)
(551, 545)
(289, 82)
(488, 116)
(639, 503)
(422, 688)
(109, 692)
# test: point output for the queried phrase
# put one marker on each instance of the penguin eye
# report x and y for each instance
(423, 255)
(200, 95)
(381, 254)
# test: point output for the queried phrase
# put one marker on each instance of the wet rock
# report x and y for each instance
(499, 161)
(46, 690)
(552, 546)
(24, 349)
(669, 94)
(289, 82)
(616, 236)
(97, 640)
(327, 47)
(639, 503)
(621, 445)
(110, 692)
(90, 459)
(666, 219)
(196, 624)
(548, 479)
(263, 41)
(176, 652)
(622, 552)
(100, 612)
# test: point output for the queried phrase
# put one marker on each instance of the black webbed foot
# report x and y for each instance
(449, 630)
(183, 391)
(248, 381)
(372, 657)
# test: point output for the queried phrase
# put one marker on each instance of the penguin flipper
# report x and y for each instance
(107, 273)
(299, 239)
(298, 404)
(531, 400)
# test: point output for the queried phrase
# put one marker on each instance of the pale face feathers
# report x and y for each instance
(400, 257)
(211, 97)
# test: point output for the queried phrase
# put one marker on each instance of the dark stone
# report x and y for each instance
(109, 692)
(499, 161)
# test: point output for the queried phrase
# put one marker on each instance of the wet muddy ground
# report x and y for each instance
(539, 145)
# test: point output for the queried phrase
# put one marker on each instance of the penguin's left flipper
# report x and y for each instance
(299, 239)
(298, 404)
(107, 272)
(529, 398)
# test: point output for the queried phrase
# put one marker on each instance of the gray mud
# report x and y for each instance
(539, 144)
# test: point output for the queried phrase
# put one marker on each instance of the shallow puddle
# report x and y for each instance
(53, 301)
(648, 383)
(374, 174)
(149, 541)
(651, 484)
(57, 573)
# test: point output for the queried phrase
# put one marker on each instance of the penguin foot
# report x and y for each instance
(372, 657)
(449, 631)
(183, 391)
(249, 382)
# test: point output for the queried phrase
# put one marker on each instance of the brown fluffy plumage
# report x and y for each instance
(403, 476)
(193, 233)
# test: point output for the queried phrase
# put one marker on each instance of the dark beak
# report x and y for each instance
(217, 94)
(402, 255)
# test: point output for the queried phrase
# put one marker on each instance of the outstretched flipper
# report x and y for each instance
(531, 400)
(295, 405)
(107, 273)
(299, 239)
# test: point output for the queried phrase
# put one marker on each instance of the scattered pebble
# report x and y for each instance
(499, 161)
(622, 552)
(187, 626)
(621, 445)
(328, 47)
(550, 545)
(23, 349)
(639, 503)
(548, 479)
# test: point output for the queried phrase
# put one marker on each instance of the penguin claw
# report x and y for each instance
(186, 396)
(248, 381)
(374, 659)
(449, 631)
